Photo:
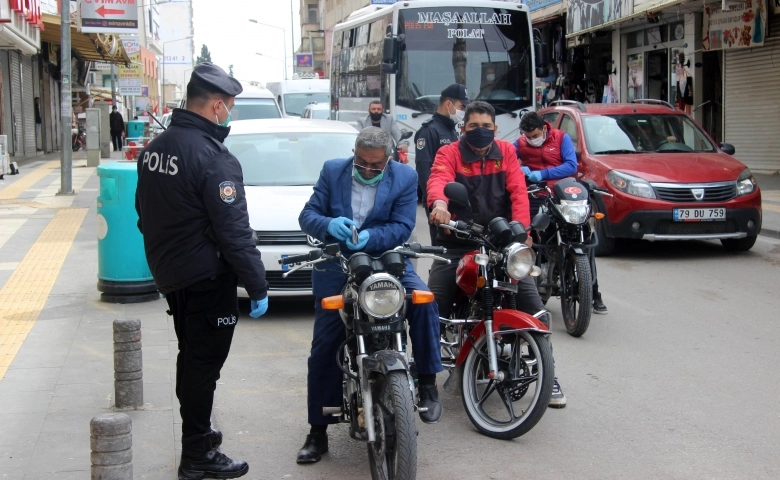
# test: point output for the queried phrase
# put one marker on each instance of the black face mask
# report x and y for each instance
(480, 137)
(375, 117)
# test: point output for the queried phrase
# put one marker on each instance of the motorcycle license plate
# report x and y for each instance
(699, 214)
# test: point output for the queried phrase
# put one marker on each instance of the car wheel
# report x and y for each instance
(740, 244)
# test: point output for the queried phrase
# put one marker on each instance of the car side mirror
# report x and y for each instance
(406, 134)
(728, 148)
(457, 193)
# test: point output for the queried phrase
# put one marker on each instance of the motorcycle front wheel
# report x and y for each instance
(511, 407)
(393, 456)
(577, 303)
(77, 146)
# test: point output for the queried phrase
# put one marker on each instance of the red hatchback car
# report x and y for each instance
(670, 181)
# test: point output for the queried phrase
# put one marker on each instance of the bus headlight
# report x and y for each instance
(519, 258)
(381, 295)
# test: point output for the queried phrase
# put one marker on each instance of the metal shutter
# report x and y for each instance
(16, 104)
(752, 96)
(28, 106)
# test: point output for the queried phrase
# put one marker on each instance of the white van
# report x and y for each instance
(294, 95)
(253, 103)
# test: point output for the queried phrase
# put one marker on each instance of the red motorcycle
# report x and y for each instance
(499, 358)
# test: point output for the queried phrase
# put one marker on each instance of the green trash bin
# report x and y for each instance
(135, 129)
(123, 273)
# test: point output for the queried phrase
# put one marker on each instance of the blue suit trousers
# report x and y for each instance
(325, 377)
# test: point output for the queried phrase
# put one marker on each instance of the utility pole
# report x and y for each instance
(292, 39)
(66, 107)
(113, 85)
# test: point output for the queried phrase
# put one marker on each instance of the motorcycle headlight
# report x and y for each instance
(519, 258)
(381, 295)
(630, 184)
(574, 212)
(745, 183)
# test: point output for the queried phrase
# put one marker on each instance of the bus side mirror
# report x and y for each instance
(541, 55)
(389, 55)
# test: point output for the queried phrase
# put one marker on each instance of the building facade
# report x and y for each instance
(176, 31)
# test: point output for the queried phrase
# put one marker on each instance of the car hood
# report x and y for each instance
(676, 167)
(276, 208)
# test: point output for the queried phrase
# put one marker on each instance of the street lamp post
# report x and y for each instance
(162, 110)
(284, 43)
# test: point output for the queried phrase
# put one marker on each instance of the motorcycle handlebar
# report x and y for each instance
(417, 248)
(306, 257)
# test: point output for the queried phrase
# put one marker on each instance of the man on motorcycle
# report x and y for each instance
(379, 198)
(547, 154)
(489, 169)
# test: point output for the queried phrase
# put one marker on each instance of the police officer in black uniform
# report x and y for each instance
(193, 214)
(436, 132)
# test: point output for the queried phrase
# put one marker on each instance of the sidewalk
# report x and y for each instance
(770, 198)
(56, 357)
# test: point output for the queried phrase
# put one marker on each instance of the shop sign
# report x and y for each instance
(586, 14)
(131, 91)
(130, 75)
(130, 42)
(108, 16)
(29, 9)
(304, 60)
(741, 25)
(534, 5)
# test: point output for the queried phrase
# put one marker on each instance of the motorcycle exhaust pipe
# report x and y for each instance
(331, 411)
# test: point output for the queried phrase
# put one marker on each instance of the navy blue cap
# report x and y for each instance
(210, 77)
(458, 92)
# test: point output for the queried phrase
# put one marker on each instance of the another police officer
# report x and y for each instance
(437, 131)
(193, 214)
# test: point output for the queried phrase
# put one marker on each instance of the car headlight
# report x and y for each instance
(745, 183)
(519, 259)
(630, 184)
(381, 295)
(575, 212)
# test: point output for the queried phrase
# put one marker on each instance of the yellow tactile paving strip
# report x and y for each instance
(24, 294)
(18, 187)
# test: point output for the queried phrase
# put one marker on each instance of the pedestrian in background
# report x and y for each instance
(377, 118)
(38, 120)
(117, 125)
(192, 212)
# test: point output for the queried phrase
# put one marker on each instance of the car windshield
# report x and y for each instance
(253, 108)
(642, 133)
(286, 159)
(294, 103)
(321, 114)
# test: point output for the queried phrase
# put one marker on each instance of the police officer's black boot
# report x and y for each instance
(201, 458)
(316, 444)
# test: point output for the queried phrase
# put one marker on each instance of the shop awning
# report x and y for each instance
(91, 46)
(640, 11)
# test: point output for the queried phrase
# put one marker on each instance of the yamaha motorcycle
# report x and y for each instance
(379, 391)
(499, 358)
(563, 252)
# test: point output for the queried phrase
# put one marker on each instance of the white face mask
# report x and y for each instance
(458, 116)
(490, 77)
(536, 142)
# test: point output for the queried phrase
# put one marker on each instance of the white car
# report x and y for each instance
(316, 110)
(281, 159)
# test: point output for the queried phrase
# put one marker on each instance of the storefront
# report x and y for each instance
(656, 64)
(751, 87)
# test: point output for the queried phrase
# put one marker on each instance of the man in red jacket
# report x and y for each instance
(491, 173)
(548, 154)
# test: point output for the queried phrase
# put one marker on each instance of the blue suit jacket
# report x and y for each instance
(390, 224)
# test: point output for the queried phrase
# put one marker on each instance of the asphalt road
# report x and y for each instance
(678, 381)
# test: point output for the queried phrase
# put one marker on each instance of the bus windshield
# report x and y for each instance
(487, 50)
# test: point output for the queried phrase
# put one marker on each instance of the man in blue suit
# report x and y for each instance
(379, 198)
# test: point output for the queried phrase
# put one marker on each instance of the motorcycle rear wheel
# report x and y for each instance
(393, 456)
(526, 360)
(578, 303)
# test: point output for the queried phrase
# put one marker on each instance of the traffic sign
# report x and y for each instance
(105, 16)
(131, 91)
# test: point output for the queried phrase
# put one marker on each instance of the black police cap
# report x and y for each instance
(458, 92)
(210, 77)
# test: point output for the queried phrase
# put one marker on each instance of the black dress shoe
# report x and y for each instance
(429, 398)
(312, 450)
(214, 464)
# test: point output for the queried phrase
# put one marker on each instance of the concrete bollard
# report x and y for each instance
(128, 364)
(111, 440)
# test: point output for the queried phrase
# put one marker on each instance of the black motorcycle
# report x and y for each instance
(78, 138)
(563, 251)
(379, 391)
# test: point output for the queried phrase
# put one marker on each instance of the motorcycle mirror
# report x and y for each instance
(540, 222)
(405, 135)
(456, 192)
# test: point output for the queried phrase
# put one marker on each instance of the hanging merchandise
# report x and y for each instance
(609, 92)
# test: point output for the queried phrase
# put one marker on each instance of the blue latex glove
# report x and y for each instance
(258, 307)
(339, 228)
(362, 241)
(526, 170)
(535, 177)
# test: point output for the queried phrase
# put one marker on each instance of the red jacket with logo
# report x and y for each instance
(495, 183)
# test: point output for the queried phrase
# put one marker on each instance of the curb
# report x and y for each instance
(769, 232)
